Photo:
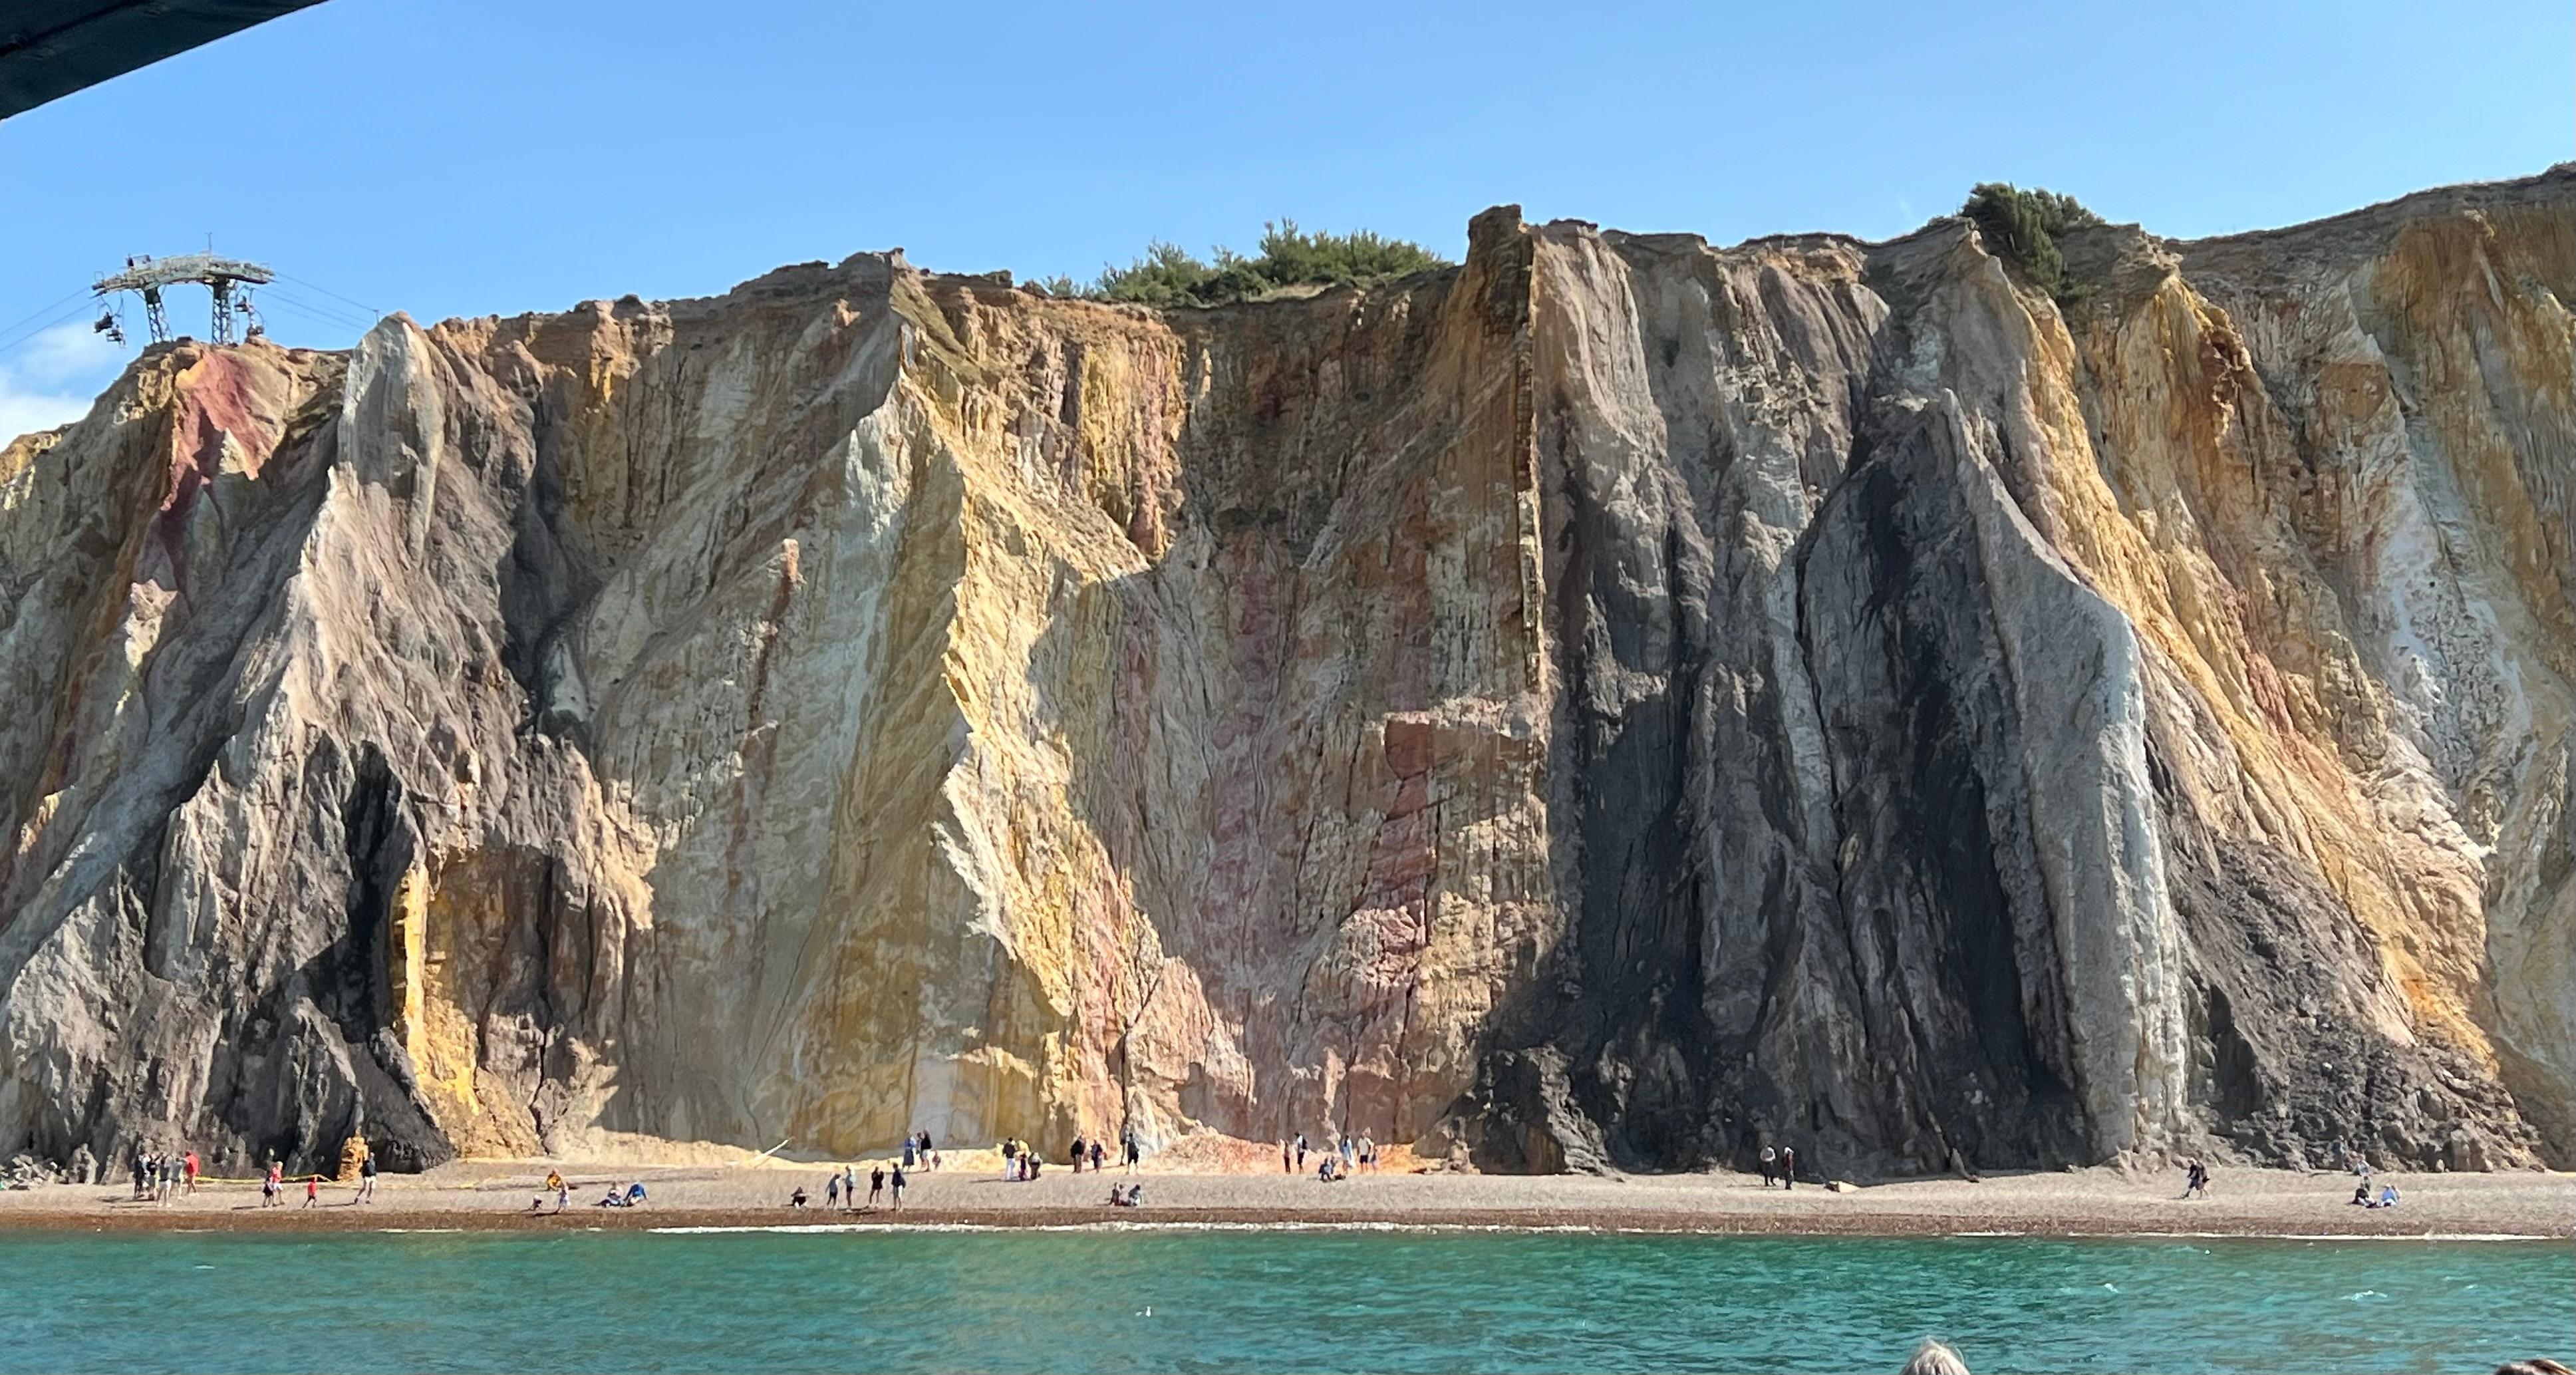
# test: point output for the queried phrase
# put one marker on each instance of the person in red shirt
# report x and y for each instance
(190, 1164)
(312, 1190)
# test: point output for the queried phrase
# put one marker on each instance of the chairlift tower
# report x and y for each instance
(228, 279)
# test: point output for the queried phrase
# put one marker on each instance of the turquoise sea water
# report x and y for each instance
(1230, 1300)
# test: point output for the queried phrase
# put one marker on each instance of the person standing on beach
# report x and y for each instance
(897, 1181)
(1770, 1166)
(1135, 1151)
(1099, 1153)
(367, 1178)
(849, 1186)
(1301, 1151)
(908, 1142)
(1788, 1167)
(876, 1186)
(188, 1162)
(831, 1191)
(275, 1184)
(312, 1190)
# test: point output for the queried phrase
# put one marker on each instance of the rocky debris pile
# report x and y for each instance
(27, 1172)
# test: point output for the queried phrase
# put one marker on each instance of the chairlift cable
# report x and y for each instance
(323, 306)
(46, 310)
(311, 311)
(319, 310)
(32, 335)
(371, 310)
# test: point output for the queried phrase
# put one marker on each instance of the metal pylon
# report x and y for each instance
(225, 278)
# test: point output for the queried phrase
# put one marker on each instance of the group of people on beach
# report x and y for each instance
(1095, 1152)
(841, 1189)
(2361, 1195)
(1340, 1159)
(621, 1194)
(272, 1188)
(1021, 1163)
(1780, 1166)
(158, 1176)
(2359, 1164)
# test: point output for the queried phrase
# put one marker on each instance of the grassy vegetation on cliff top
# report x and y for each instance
(1169, 275)
(2019, 225)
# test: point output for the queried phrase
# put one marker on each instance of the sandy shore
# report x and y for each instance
(2098, 1202)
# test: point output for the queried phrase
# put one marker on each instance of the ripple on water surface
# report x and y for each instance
(1230, 1300)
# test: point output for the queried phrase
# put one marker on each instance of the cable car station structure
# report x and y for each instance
(228, 279)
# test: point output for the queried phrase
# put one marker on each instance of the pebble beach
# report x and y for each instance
(970, 1191)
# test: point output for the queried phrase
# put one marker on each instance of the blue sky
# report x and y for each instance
(460, 157)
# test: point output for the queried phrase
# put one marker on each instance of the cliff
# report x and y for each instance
(1604, 704)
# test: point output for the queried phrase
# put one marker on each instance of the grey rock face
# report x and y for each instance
(1894, 839)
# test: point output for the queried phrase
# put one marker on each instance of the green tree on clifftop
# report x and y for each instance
(2023, 226)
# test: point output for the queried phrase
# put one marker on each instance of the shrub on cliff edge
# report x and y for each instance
(1168, 275)
(2023, 226)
